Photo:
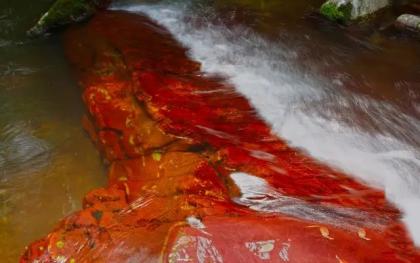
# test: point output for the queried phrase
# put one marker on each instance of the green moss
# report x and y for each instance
(64, 12)
(336, 12)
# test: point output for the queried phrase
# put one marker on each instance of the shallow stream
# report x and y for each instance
(47, 163)
(349, 96)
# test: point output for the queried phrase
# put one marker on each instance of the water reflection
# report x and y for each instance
(20, 151)
(47, 164)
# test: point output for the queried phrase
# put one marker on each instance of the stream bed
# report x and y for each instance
(349, 96)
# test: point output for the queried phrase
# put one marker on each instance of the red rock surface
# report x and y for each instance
(173, 138)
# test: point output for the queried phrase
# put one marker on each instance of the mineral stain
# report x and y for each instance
(154, 87)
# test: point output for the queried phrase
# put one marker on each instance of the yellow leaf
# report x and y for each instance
(325, 232)
(122, 178)
(362, 234)
(157, 156)
(59, 244)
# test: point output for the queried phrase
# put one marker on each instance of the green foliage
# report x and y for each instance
(336, 12)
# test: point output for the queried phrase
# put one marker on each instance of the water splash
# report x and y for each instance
(258, 195)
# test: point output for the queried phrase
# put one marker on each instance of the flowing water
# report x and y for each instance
(349, 96)
(47, 163)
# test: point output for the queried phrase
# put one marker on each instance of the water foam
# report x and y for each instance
(305, 109)
(258, 195)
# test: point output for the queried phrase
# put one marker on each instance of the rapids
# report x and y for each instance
(348, 96)
(376, 139)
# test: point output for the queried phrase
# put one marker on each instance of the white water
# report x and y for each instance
(306, 110)
(258, 195)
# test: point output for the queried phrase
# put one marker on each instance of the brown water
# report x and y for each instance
(47, 163)
(360, 83)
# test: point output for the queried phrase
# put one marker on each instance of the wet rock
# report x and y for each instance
(174, 138)
(408, 22)
(337, 10)
(346, 10)
(64, 12)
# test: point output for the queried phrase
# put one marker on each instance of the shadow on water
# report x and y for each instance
(47, 163)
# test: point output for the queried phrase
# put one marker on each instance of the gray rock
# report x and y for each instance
(410, 22)
(64, 12)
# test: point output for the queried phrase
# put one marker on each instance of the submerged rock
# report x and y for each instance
(345, 10)
(410, 22)
(64, 12)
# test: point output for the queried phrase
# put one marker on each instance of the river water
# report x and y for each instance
(47, 164)
(349, 96)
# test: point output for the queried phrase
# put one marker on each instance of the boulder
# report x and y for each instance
(64, 12)
(409, 22)
(346, 10)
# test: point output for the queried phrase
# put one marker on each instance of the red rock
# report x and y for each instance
(173, 138)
